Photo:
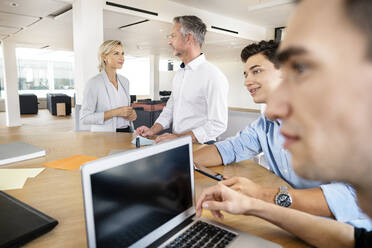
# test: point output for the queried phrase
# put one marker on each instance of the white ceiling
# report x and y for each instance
(150, 37)
(271, 17)
(31, 25)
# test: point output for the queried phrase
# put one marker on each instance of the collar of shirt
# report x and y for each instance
(193, 64)
(107, 80)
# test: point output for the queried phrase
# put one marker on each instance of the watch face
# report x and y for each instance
(283, 200)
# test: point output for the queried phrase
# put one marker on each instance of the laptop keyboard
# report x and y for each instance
(202, 234)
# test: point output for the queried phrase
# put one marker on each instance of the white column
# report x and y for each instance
(12, 111)
(154, 77)
(88, 36)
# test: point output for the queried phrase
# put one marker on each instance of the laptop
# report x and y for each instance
(145, 198)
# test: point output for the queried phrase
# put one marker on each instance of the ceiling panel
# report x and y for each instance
(240, 9)
(12, 20)
(4, 30)
(37, 8)
(116, 20)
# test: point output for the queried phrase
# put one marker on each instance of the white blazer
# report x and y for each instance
(96, 101)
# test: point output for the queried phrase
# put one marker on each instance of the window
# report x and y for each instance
(41, 71)
(1, 73)
(63, 76)
(32, 74)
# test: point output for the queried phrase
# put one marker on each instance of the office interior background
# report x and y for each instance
(50, 46)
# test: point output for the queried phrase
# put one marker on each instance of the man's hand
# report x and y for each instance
(221, 197)
(249, 188)
(144, 131)
(165, 137)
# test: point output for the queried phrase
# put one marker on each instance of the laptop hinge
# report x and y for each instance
(171, 233)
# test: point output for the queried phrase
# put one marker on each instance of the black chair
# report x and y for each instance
(148, 118)
(133, 98)
(28, 104)
(53, 99)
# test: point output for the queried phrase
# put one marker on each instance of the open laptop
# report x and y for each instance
(145, 198)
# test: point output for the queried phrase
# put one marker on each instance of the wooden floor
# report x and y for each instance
(43, 122)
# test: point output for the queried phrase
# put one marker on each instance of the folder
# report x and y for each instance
(20, 223)
(18, 151)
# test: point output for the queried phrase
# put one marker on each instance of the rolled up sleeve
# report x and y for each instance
(342, 202)
(244, 145)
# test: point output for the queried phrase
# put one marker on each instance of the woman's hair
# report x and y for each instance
(104, 49)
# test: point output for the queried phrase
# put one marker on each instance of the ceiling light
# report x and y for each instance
(13, 4)
(270, 4)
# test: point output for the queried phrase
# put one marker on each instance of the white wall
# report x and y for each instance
(165, 80)
(239, 96)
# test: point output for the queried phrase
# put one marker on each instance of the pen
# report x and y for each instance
(138, 144)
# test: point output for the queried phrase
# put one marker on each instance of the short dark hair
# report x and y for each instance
(360, 14)
(192, 25)
(266, 48)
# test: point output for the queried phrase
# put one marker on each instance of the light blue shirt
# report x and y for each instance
(263, 135)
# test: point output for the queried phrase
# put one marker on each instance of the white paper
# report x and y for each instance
(16, 178)
(143, 141)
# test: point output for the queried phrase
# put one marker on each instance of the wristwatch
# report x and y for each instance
(283, 198)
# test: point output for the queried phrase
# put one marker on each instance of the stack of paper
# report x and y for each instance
(16, 178)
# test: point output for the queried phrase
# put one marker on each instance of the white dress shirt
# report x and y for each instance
(198, 102)
(100, 95)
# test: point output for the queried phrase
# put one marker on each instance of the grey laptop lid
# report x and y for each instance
(132, 199)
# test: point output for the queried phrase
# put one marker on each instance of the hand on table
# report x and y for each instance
(165, 137)
(144, 131)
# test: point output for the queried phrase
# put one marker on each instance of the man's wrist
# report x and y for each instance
(268, 194)
(252, 206)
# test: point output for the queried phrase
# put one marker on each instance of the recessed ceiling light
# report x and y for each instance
(13, 4)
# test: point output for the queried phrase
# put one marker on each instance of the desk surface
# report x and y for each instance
(58, 193)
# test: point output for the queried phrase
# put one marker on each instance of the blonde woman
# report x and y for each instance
(106, 103)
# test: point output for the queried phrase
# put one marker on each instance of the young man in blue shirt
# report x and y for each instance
(333, 200)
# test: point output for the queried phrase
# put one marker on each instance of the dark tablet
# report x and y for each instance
(20, 223)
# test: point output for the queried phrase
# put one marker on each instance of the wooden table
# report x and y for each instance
(58, 193)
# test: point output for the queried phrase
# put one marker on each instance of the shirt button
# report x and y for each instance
(286, 171)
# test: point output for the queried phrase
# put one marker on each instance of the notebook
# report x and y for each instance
(145, 198)
(20, 223)
(18, 151)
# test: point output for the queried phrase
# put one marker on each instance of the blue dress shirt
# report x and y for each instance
(263, 135)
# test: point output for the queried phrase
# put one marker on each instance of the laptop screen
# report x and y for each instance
(133, 199)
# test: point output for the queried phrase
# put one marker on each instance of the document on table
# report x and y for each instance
(16, 178)
(70, 163)
(19, 151)
(143, 141)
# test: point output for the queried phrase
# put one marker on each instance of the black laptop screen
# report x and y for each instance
(133, 199)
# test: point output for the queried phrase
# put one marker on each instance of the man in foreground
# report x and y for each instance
(333, 200)
(325, 105)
